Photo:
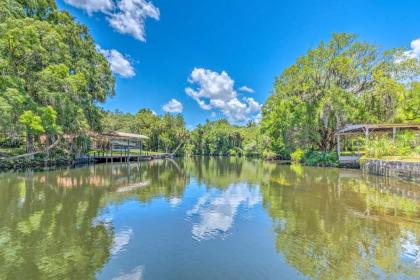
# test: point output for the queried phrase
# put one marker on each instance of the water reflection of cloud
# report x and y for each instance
(216, 210)
(410, 250)
(121, 239)
(135, 274)
(104, 219)
(175, 201)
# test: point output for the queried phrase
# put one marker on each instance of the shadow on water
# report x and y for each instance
(327, 223)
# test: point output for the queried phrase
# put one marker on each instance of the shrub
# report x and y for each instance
(268, 154)
(297, 155)
(316, 158)
(232, 153)
(11, 143)
(404, 144)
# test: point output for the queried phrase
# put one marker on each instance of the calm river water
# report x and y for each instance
(207, 218)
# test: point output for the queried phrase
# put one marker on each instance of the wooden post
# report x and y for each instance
(394, 132)
(338, 145)
(367, 136)
(112, 158)
(128, 150)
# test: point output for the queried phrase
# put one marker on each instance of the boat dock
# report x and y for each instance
(104, 158)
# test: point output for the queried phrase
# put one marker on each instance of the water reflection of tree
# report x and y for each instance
(48, 221)
(329, 223)
(48, 232)
(221, 172)
(331, 226)
(160, 179)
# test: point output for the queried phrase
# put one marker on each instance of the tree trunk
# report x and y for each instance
(327, 142)
(29, 143)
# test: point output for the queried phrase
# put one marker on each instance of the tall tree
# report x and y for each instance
(49, 65)
(339, 82)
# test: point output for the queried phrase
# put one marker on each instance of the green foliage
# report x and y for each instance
(222, 138)
(232, 153)
(268, 154)
(49, 119)
(404, 145)
(339, 82)
(316, 158)
(165, 133)
(32, 122)
(52, 76)
(297, 155)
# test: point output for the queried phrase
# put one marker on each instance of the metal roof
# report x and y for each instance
(361, 128)
(121, 135)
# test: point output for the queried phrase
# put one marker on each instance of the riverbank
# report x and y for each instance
(25, 163)
(407, 169)
(393, 167)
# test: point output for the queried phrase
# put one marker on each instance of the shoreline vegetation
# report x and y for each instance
(53, 80)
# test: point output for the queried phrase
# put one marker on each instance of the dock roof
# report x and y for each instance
(361, 128)
(121, 135)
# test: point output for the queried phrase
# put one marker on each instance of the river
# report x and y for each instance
(207, 218)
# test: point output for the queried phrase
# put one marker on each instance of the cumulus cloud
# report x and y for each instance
(125, 16)
(173, 106)
(92, 6)
(216, 91)
(415, 49)
(130, 19)
(118, 62)
(246, 89)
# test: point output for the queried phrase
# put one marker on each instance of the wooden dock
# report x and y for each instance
(349, 161)
(105, 158)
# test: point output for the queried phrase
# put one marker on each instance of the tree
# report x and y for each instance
(51, 64)
(339, 82)
(165, 133)
(33, 124)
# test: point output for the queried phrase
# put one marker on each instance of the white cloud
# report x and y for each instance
(118, 62)
(216, 91)
(131, 15)
(415, 49)
(125, 16)
(91, 6)
(173, 106)
(246, 89)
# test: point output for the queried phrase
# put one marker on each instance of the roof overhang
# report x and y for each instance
(361, 128)
(121, 135)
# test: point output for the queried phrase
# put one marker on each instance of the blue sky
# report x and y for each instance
(219, 58)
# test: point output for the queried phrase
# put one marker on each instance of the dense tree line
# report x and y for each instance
(51, 75)
(166, 133)
(221, 138)
(340, 82)
(52, 80)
